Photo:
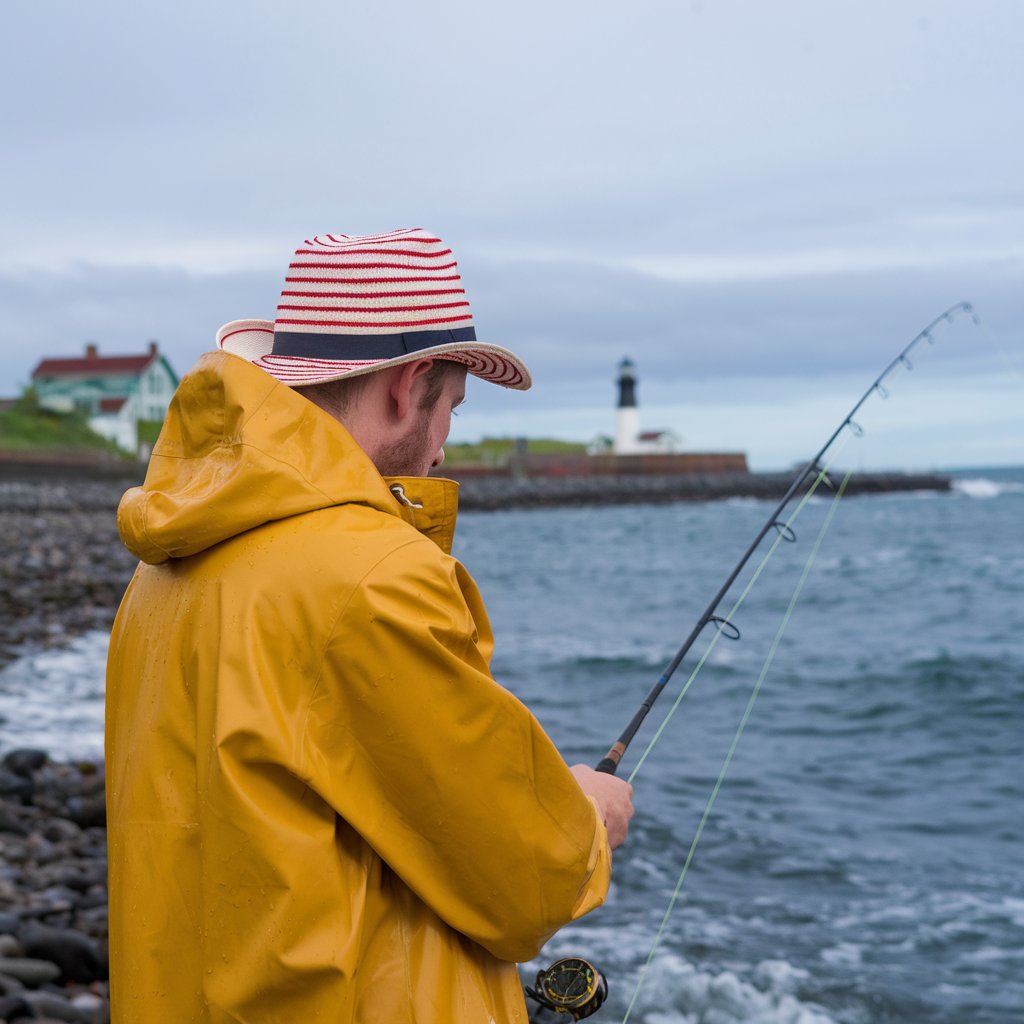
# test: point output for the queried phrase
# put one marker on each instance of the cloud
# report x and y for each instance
(747, 199)
(121, 309)
(572, 317)
(571, 321)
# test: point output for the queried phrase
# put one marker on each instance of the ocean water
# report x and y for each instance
(863, 860)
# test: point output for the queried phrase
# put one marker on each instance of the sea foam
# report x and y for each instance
(982, 487)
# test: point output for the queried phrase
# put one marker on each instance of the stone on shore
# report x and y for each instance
(78, 957)
(53, 893)
(28, 971)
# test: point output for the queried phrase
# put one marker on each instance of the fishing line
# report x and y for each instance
(610, 762)
(826, 523)
(785, 533)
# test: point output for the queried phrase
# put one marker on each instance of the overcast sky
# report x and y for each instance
(759, 203)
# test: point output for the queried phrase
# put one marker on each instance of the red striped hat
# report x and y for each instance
(354, 303)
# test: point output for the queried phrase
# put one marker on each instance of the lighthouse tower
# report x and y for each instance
(627, 427)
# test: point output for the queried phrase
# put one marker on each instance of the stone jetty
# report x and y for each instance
(502, 491)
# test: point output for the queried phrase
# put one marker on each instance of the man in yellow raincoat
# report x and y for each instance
(321, 806)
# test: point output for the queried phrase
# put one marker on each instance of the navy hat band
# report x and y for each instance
(364, 346)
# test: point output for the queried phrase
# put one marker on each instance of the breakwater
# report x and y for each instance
(499, 491)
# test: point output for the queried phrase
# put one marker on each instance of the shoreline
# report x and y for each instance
(63, 568)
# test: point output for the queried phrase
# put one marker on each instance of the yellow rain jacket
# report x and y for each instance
(321, 806)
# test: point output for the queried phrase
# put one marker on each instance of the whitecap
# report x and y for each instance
(54, 699)
(675, 991)
(979, 487)
(1014, 907)
(846, 953)
(988, 954)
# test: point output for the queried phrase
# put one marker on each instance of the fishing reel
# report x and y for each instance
(571, 986)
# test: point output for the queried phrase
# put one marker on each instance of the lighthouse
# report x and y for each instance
(627, 426)
(629, 440)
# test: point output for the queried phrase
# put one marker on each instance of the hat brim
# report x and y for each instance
(254, 340)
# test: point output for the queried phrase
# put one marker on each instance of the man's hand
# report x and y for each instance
(614, 800)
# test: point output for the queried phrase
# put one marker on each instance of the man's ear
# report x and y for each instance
(406, 385)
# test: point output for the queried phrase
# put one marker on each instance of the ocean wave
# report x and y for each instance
(54, 699)
(557, 649)
(677, 992)
(846, 954)
(983, 487)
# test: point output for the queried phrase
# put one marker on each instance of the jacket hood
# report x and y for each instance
(239, 449)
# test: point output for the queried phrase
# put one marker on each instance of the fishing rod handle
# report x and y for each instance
(609, 764)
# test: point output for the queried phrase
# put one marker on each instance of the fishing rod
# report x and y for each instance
(573, 987)
(610, 762)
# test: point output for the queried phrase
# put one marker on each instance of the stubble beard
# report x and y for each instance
(408, 456)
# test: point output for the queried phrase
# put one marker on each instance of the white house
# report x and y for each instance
(124, 397)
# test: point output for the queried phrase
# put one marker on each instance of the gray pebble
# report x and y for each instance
(77, 956)
(47, 1004)
(9, 985)
(25, 761)
(61, 830)
(28, 971)
(14, 1007)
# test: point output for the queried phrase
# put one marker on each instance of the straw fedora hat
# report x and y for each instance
(355, 303)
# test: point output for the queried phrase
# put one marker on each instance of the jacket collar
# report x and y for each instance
(429, 503)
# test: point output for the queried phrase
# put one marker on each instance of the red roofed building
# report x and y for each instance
(125, 397)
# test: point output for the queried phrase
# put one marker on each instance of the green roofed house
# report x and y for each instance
(124, 397)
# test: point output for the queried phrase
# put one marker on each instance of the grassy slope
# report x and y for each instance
(27, 427)
(493, 451)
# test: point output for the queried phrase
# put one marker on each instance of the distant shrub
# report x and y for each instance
(26, 424)
(496, 451)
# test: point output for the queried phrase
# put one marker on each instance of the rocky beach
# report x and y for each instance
(63, 571)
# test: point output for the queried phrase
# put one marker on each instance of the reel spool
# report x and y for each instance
(571, 986)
